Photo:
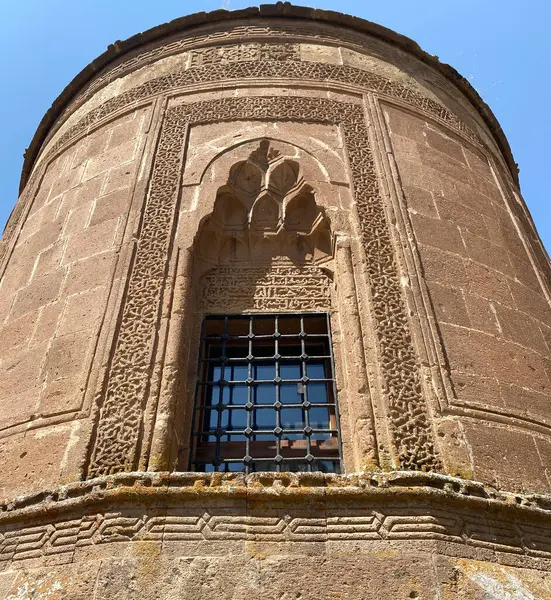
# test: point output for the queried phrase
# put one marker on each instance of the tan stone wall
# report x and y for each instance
(424, 255)
(488, 298)
(55, 292)
(489, 301)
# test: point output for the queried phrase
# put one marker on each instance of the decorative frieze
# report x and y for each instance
(223, 55)
(167, 508)
(119, 426)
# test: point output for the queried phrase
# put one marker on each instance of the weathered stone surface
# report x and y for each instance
(245, 163)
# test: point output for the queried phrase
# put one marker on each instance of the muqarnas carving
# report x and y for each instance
(263, 246)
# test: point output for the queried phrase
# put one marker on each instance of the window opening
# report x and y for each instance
(266, 397)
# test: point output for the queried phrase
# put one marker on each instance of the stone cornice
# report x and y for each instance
(170, 489)
(269, 11)
(457, 516)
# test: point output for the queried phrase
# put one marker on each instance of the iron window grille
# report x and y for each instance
(266, 397)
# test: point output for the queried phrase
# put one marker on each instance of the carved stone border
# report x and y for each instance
(291, 69)
(277, 69)
(117, 434)
(169, 508)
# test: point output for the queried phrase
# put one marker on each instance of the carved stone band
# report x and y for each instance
(118, 429)
(457, 515)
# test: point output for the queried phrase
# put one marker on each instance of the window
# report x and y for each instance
(266, 397)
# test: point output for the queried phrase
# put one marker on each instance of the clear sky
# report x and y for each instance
(502, 46)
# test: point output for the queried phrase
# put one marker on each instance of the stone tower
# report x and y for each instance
(275, 324)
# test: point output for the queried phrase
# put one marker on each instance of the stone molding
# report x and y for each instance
(117, 433)
(288, 68)
(280, 11)
(462, 516)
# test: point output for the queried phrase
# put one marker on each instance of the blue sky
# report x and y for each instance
(502, 50)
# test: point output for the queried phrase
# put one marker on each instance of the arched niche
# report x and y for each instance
(270, 240)
(265, 216)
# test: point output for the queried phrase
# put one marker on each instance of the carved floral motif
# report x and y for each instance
(119, 425)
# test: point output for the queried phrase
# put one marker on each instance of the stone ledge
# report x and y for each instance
(192, 512)
(163, 489)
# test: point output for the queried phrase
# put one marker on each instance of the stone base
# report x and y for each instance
(282, 536)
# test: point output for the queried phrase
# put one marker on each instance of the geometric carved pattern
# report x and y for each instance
(289, 69)
(274, 288)
(280, 63)
(171, 508)
(243, 53)
(180, 525)
(119, 425)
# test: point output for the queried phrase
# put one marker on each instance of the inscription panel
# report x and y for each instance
(274, 288)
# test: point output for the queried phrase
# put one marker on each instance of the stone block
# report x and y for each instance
(66, 181)
(524, 273)
(60, 396)
(478, 163)
(453, 448)
(94, 145)
(55, 582)
(483, 251)
(421, 201)
(48, 260)
(449, 305)
(526, 402)
(445, 268)
(438, 234)
(520, 328)
(82, 311)
(440, 162)
(471, 351)
(405, 124)
(94, 240)
(66, 356)
(120, 177)
(405, 148)
(476, 390)
(502, 232)
(110, 158)
(16, 334)
(320, 54)
(47, 234)
(125, 131)
(464, 216)
(38, 293)
(47, 320)
(516, 466)
(445, 145)
(470, 196)
(523, 367)
(39, 460)
(22, 405)
(489, 283)
(530, 302)
(77, 219)
(110, 206)
(488, 187)
(84, 193)
(481, 313)
(89, 273)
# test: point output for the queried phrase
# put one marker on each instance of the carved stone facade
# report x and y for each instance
(274, 161)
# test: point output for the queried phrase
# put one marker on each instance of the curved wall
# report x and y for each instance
(375, 186)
